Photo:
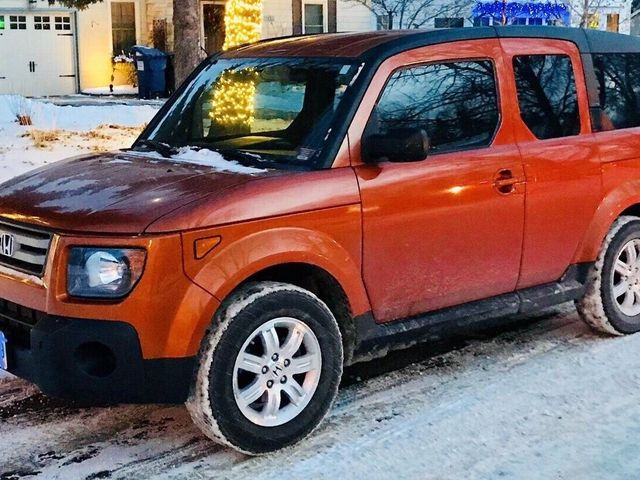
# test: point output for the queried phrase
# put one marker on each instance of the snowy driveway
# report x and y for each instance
(548, 400)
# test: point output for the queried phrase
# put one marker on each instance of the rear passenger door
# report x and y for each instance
(559, 153)
(448, 229)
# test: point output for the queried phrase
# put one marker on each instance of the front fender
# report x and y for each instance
(612, 206)
(328, 239)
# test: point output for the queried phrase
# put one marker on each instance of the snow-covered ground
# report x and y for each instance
(548, 400)
(542, 399)
(58, 132)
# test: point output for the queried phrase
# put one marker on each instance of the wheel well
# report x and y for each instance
(633, 210)
(321, 284)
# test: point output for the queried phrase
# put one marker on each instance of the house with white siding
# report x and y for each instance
(46, 49)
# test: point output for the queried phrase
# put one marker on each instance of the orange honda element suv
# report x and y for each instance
(300, 204)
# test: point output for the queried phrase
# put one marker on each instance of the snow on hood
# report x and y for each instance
(111, 192)
(212, 159)
(203, 157)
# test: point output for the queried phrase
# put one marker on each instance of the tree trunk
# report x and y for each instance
(187, 38)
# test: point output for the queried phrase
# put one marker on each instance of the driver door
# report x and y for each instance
(447, 229)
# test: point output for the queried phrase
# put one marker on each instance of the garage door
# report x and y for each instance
(38, 54)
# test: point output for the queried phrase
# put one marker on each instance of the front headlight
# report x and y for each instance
(104, 272)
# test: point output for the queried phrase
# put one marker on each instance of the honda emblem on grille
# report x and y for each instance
(7, 244)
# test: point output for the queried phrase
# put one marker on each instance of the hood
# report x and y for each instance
(112, 193)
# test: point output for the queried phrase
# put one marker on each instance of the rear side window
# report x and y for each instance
(455, 103)
(619, 87)
(547, 95)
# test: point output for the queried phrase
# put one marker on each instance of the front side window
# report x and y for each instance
(547, 95)
(456, 103)
(274, 110)
(618, 77)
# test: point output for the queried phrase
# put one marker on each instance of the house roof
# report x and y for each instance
(381, 44)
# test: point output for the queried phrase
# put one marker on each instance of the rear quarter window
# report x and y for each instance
(547, 95)
(618, 77)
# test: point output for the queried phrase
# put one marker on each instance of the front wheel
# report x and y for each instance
(611, 303)
(269, 368)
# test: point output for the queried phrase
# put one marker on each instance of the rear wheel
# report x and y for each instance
(269, 368)
(612, 301)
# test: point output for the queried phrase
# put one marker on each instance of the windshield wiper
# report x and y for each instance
(162, 148)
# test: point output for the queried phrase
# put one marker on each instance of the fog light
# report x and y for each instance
(95, 359)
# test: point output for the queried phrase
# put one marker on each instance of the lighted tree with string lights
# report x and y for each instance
(233, 96)
(243, 22)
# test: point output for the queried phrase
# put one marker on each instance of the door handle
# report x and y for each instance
(504, 181)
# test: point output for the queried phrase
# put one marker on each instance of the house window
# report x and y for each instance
(42, 23)
(313, 18)
(382, 22)
(1, 22)
(17, 22)
(482, 21)
(613, 22)
(123, 26)
(62, 23)
(448, 22)
(535, 21)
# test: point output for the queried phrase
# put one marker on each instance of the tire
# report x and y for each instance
(221, 399)
(603, 306)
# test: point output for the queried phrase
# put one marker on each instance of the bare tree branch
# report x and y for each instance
(414, 13)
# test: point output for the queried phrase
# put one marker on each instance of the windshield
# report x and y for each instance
(275, 111)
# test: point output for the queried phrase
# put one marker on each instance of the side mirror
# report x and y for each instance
(398, 145)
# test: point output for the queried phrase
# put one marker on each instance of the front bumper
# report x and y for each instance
(89, 360)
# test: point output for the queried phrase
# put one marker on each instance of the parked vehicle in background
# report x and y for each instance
(302, 204)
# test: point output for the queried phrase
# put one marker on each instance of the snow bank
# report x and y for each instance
(47, 116)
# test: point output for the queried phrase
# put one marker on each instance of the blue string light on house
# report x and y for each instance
(521, 13)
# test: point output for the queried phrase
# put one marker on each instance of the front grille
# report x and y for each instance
(17, 321)
(23, 248)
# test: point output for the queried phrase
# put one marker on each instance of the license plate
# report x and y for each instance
(3, 352)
